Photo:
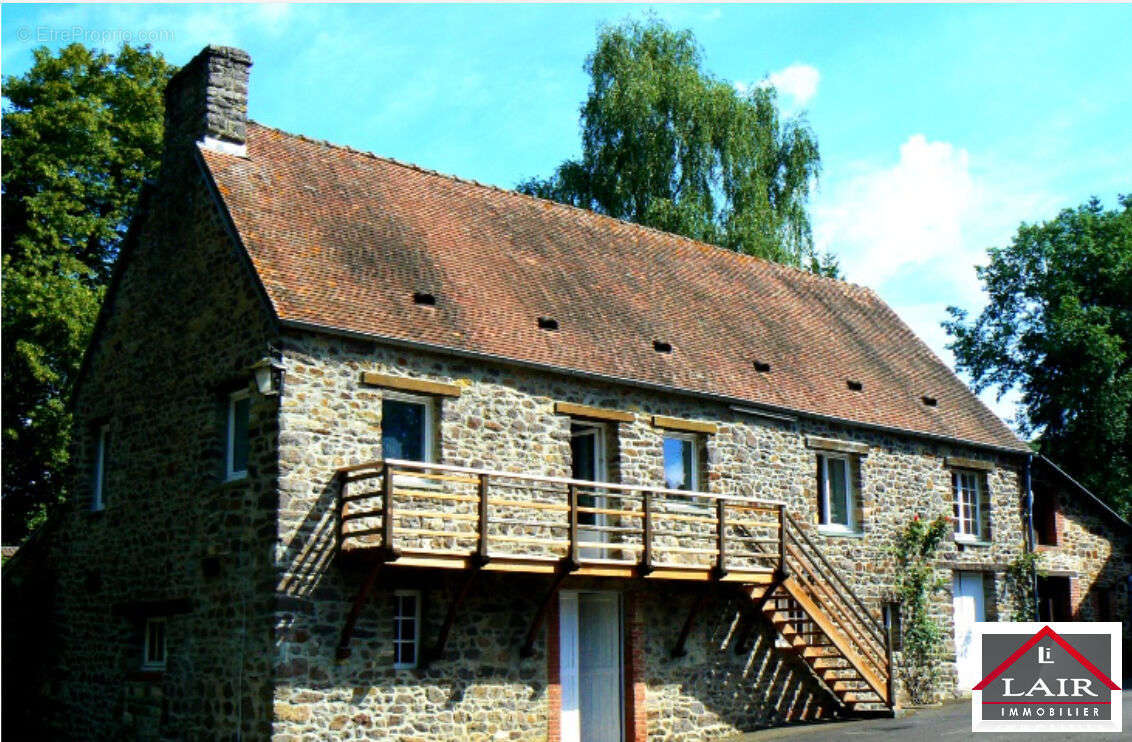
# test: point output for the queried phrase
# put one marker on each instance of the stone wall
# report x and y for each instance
(180, 331)
(504, 418)
(1093, 551)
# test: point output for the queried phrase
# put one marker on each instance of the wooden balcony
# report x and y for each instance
(411, 514)
(415, 514)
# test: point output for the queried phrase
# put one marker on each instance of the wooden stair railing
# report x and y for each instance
(827, 625)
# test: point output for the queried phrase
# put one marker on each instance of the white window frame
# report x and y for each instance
(961, 515)
(429, 403)
(98, 493)
(416, 640)
(697, 505)
(850, 526)
(231, 474)
(149, 662)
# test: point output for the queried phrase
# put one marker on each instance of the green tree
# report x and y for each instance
(667, 144)
(1058, 327)
(81, 131)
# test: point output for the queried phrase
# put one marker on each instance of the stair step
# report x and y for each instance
(819, 652)
(831, 663)
(850, 698)
(849, 686)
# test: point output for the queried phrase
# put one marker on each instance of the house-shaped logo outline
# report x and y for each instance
(1046, 631)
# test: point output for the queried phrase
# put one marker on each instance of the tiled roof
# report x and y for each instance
(343, 239)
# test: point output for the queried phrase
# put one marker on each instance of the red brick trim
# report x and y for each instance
(553, 679)
(636, 711)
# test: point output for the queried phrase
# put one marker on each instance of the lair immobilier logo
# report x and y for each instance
(1047, 677)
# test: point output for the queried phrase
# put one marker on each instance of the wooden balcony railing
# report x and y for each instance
(442, 515)
(435, 515)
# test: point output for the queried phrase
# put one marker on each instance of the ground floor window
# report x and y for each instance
(154, 653)
(406, 629)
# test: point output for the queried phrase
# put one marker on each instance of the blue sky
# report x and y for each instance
(941, 127)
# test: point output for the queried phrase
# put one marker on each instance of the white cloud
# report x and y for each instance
(914, 230)
(799, 82)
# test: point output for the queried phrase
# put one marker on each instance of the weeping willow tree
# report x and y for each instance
(667, 144)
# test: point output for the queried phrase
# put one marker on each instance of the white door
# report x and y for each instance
(967, 605)
(590, 667)
(587, 450)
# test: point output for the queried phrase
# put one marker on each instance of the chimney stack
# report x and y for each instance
(207, 102)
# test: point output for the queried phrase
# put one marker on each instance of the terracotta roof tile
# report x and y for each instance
(343, 239)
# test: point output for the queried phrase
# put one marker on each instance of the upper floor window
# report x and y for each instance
(153, 657)
(1045, 519)
(406, 628)
(407, 427)
(101, 461)
(683, 460)
(837, 492)
(236, 456)
(968, 488)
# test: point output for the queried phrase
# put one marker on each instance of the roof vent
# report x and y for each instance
(424, 298)
(929, 401)
(661, 347)
(854, 386)
(546, 323)
(762, 368)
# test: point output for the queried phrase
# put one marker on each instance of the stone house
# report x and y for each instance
(364, 451)
(1084, 560)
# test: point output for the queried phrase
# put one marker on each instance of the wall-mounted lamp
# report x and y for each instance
(268, 376)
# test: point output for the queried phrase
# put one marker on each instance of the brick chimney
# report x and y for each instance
(207, 102)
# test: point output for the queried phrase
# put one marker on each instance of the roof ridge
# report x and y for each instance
(850, 286)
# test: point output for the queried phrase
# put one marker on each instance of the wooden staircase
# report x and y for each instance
(824, 623)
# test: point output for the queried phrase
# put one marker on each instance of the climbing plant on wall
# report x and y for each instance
(916, 582)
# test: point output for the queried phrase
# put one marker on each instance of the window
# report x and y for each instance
(837, 497)
(1045, 519)
(236, 457)
(407, 427)
(406, 628)
(682, 462)
(968, 489)
(101, 461)
(154, 654)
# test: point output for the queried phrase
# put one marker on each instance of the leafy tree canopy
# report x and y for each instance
(1058, 326)
(668, 145)
(81, 131)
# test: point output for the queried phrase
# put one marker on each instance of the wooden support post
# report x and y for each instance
(343, 650)
(481, 557)
(679, 650)
(890, 681)
(339, 528)
(437, 650)
(564, 568)
(782, 572)
(646, 534)
(572, 556)
(721, 539)
(387, 513)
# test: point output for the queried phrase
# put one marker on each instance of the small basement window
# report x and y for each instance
(854, 386)
(661, 347)
(546, 323)
(406, 628)
(424, 298)
(929, 401)
(153, 656)
(762, 368)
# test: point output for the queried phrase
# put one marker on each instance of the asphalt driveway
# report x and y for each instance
(951, 723)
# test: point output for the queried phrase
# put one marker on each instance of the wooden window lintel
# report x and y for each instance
(592, 413)
(404, 383)
(832, 444)
(687, 426)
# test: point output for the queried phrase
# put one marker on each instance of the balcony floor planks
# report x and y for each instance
(543, 565)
